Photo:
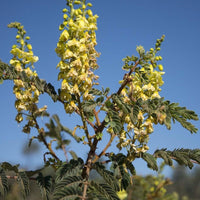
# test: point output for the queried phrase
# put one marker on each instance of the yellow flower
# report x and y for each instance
(28, 71)
(18, 95)
(18, 67)
(73, 42)
(65, 85)
(72, 72)
(82, 48)
(64, 36)
(122, 194)
(75, 89)
(148, 87)
(155, 95)
(68, 54)
(19, 83)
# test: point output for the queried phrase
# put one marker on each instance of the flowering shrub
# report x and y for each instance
(130, 114)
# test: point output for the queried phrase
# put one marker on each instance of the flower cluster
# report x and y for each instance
(143, 84)
(76, 48)
(23, 60)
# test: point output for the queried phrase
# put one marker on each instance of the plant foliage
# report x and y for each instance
(127, 116)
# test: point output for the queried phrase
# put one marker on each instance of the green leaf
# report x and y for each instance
(3, 183)
(95, 92)
(151, 161)
(9, 167)
(105, 190)
(158, 107)
(45, 183)
(49, 89)
(114, 120)
(164, 155)
(140, 50)
(107, 90)
(112, 124)
(135, 111)
(120, 165)
(68, 169)
(182, 156)
(89, 106)
(123, 106)
(73, 154)
(1, 80)
(69, 180)
(24, 182)
(99, 100)
(67, 193)
(108, 176)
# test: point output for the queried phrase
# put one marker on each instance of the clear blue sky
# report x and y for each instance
(122, 25)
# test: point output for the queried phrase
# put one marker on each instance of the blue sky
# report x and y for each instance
(122, 25)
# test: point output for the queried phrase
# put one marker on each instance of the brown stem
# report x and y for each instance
(88, 166)
(65, 152)
(85, 190)
(83, 118)
(127, 78)
(79, 113)
(42, 138)
(103, 104)
(97, 117)
(106, 147)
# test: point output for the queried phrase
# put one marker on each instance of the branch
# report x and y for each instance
(127, 78)
(83, 118)
(97, 117)
(42, 138)
(106, 147)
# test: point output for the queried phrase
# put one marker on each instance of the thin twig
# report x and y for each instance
(97, 117)
(79, 113)
(65, 152)
(127, 78)
(83, 118)
(42, 138)
(106, 147)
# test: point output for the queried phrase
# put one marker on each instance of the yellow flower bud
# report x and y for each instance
(65, 16)
(18, 67)
(77, 2)
(89, 4)
(22, 42)
(160, 67)
(89, 12)
(29, 46)
(19, 118)
(64, 10)
(61, 27)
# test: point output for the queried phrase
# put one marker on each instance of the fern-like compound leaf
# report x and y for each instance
(3, 183)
